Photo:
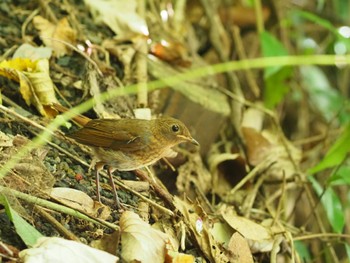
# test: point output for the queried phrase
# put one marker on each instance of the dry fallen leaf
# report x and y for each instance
(108, 243)
(79, 200)
(54, 36)
(36, 86)
(233, 242)
(176, 257)
(28, 51)
(258, 147)
(264, 145)
(140, 242)
(199, 229)
(221, 167)
(259, 238)
(54, 249)
(121, 16)
(239, 248)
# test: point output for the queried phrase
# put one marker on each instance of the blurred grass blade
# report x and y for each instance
(316, 19)
(336, 154)
(347, 249)
(27, 232)
(327, 100)
(331, 205)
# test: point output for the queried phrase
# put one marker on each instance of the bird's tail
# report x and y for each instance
(79, 119)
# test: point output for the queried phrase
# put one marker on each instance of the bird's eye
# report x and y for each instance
(175, 128)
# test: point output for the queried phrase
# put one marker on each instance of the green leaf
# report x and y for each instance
(275, 77)
(341, 177)
(28, 234)
(331, 204)
(336, 154)
(271, 47)
(316, 19)
(276, 87)
(303, 251)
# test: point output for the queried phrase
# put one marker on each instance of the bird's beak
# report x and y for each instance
(189, 139)
(194, 142)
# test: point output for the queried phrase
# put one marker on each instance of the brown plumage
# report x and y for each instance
(129, 144)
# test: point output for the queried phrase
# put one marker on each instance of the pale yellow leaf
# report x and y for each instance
(54, 249)
(36, 86)
(28, 51)
(81, 201)
(55, 36)
(121, 16)
(140, 242)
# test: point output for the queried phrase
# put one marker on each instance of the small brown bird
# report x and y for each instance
(128, 144)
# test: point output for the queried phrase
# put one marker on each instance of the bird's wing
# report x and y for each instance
(114, 134)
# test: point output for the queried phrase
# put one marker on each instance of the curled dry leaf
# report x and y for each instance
(36, 86)
(221, 167)
(258, 147)
(54, 249)
(81, 201)
(259, 238)
(233, 242)
(140, 242)
(264, 145)
(192, 215)
(56, 36)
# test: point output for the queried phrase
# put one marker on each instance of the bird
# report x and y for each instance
(128, 144)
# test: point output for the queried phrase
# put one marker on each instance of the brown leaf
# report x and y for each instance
(239, 248)
(264, 145)
(257, 145)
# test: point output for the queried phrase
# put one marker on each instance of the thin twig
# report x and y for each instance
(57, 207)
(26, 22)
(59, 227)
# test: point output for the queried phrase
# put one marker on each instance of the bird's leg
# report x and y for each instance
(98, 168)
(111, 182)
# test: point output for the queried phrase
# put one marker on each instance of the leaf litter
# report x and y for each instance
(236, 206)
